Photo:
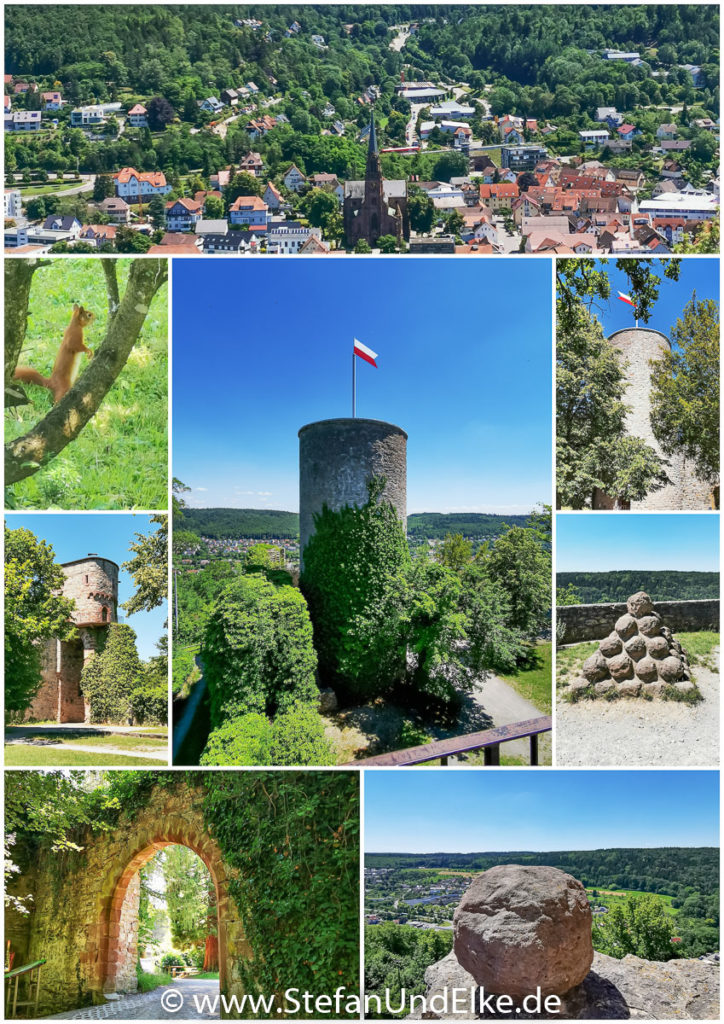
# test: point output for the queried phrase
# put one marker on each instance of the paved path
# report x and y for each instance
(81, 728)
(131, 752)
(495, 703)
(148, 1005)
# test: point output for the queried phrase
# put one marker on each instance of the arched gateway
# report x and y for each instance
(84, 920)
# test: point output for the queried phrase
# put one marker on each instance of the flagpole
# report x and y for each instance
(354, 384)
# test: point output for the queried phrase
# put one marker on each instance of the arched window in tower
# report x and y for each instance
(104, 614)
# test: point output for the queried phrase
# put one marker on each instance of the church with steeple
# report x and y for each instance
(375, 206)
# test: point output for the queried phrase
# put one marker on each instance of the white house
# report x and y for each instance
(51, 100)
(288, 237)
(594, 137)
(12, 204)
(182, 214)
(130, 183)
(685, 206)
(294, 179)
(138, 116)
(452, 109)
(23, 121)
(250, 211)
(212, 105)
(93, 114)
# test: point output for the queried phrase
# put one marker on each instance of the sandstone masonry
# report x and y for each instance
(582, 622)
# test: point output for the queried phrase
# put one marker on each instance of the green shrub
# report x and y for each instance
(257, 651)
(111, 675)
(295, 737)
(149, 700)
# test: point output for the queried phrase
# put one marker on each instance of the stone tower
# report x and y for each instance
(92, 582)
(337, 459)
(640, 347)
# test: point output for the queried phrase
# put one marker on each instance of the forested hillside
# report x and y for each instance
(268, 523)
(670, 870)
(604, 587)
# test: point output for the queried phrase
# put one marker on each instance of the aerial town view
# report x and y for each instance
(446, 129)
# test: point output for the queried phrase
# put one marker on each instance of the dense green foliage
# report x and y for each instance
(639, 926)
(189, 896)
(671, 870)
(295, 737)
(35, 611)
(257, 651)
(686, 389)
(149, 567)
(619, 585)
(293, 837)
(473, 525)
(353, 563)
(397, 957)
(120, 459)
(111, 675)
(196, 594)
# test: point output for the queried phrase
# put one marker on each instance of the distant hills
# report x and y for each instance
(267, 523)
(660, 585)
(663, 869)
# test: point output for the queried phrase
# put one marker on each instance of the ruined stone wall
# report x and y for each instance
(640, 347)
(595, 621)
(126, 979)
(80, 921)
(337, 459)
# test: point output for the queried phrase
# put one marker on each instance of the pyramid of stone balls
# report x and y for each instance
(640, 656)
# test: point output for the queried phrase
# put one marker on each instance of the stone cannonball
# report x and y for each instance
(640, 604)
(611, 645)
(595, 668)
(658, 646)
(670, 669)
(517, 928)
(626, 626)
(636, 647)
(646, 670)
(621, 667)
(650, 625)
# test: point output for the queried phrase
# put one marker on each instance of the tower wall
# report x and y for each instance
(640, 347)
(337, 459)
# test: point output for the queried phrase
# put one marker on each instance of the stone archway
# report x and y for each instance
(119, 936)
(75, 924)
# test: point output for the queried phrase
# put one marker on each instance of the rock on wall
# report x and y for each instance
(80, 922)
(595, 621)
(337, 458)
(639, 347)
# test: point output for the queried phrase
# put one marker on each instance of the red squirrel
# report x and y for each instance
(65, 368)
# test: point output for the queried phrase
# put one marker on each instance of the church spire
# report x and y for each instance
(374, 170)
(372, 148)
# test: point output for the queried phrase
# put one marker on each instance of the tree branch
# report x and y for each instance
(26, 455)
(114, 298)
(18, 281)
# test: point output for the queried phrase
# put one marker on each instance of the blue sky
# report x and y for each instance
(428, 811)
(262, 347)
(74, 536)
(700, 275)
(599, 543)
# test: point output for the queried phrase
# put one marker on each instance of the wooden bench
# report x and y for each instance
(29, 973)
(489, 741)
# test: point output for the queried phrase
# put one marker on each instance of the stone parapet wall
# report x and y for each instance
(595, 621)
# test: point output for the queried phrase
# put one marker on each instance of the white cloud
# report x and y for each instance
(201, 488)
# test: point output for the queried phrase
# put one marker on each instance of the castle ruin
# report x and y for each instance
(640, 347)
(92, 583)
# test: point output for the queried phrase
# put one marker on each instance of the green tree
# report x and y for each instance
(593, 448)
(157, 212)
(686, 388)
(214, 208)
(257, 649)
(567, 595)
(363, 246)
(421, 210)
(187, 895)
(128, 240)
(521, 567)
(387, 243)
(149, 567)
(35, 612)
(455, 551)
(111, 675)
(638, 925)
(103, 187)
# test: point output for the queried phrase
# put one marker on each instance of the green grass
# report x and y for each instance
(700, 648)
(119, 461)
(608, 898)
(148, 982)
(207, 976)
(46, 189)
(24, 756)
(121, 740)
(534, 679)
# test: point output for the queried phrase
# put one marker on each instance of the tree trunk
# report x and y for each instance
(26, 455)
(211, 954)
(18, 280)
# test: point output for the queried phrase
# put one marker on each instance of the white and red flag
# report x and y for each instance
(364, 353)
(626, 298)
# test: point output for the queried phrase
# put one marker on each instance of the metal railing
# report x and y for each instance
(489, 741)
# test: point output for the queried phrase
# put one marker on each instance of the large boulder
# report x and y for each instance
(626, 626)
(595, 667)
(518, 928)
(639, 604)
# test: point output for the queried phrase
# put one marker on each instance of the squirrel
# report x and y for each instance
(65, 368)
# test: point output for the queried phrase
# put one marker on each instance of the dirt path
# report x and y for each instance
(495, 702)
(639, 732)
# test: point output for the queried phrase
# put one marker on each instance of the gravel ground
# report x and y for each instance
(633, 731)
(178, 1004)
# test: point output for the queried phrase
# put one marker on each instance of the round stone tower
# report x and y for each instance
(338, 458)
(92, 582)
(640, 347)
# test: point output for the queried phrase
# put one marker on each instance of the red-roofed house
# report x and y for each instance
(273, 197)
(138, 116)
(252, 163)
(51, 100)
(130, 183)
(626, 132)
(182, 214)
(499, 196)
(251, 211)
(97, 234)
